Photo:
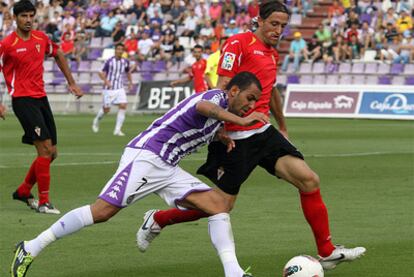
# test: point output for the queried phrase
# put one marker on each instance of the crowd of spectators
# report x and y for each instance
(382, 29)
(150, 29)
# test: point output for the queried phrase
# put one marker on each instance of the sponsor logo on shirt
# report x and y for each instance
(228, 61)
(258, 52)
(21, 50)
(37, 130)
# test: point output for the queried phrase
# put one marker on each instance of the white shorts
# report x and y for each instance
(114, 97)
(141, 172)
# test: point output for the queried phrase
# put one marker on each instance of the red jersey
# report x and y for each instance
(197, 70)
(22, 63)
(245, 52)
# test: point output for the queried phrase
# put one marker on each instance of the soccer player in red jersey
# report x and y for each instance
(260, 144)
(21, 60)
(198, 69)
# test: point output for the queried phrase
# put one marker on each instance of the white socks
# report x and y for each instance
(221, 235)
(120, 120)
(71, 222)
(99, 115)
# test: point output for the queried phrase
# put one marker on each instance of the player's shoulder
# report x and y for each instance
(241, 38)
(39, 35)
(9, 40)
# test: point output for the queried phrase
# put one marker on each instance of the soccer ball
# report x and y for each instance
(303, 266)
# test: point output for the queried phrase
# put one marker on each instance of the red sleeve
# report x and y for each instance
(1, 56)
(51, 47)
(230, 57)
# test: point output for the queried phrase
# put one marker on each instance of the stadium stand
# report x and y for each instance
(165, 21)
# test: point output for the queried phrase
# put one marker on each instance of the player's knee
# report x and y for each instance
(102, 215)
(311, 182)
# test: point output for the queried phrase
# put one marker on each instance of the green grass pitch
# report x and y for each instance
(367, 180)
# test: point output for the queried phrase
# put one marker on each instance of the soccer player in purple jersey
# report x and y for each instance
(149, 164)
(114, 92)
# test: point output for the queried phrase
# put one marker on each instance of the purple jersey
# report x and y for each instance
(114, 70)
(182, 129)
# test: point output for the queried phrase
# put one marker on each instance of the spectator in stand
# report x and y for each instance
(120, 15)
(356, 49)
(201, 9)
(41, 11)
(340, 49)
(366, 35)
(346, 4)
(93, 8)
(67, 45)
(137, 11)
(177, 12)
(352, 18)
(178, 52)
(389, 53)
(156, 34)
(153, 7)
(215, 11)
(242, 18)
(390, 32)
(323, 35)
(190, 23)
(107, 25)
(68, 19)
(80, 50)
(144, 45)
(335, 8)
(244, 28)
(197, 72)
(353, 31)
(167, 46)
(55, 7)
(118, 35)
(253, 8)
(68, 30)
(404, 22)
(92, 24)
(156, 19)
(338, 23)
(105, 8)
(207, 30)
(363, 6)
(406, 49)
(297, 52)
(131, 45)
(168, 28)
(231, 29)
(230, 7)
(314, 50)
(390, 17)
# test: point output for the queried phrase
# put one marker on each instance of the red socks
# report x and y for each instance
(42, 169)
(316, 214)
(25, 188)
(174, 216)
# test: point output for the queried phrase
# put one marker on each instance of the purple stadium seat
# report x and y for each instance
(74, 66)
(398, 81)
(319, 79)
(94, 54)
(370, 80)
(96, 42)
(136, 77)
(173, 68)
(48, 65)
(409, 80)
(365, 17)
(290, 68)
(95, 79)
(96, 66)
(397, 68)
(146, 66)
(332, 80)
(176, 75)
(84, 78)
(371, 68)
(293, 79)
(360, 80)
(86, 88)
(84, 66)
(345, 79)
(383, 68)
(48, 77)
(281, 79)
(107, 41)
(305, 68)
(358, 68)
(306, 79)
(160, 66)
(409, 69)
(160, 76)
(384, 80)
(147, 76)
(344, 68)
(318, 68)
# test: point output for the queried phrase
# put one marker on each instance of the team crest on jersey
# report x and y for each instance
(228, 61)
(38, 47)
(37, 131)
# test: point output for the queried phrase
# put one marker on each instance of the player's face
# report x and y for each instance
(119, 50)
(25, 21)
(272, 27)
(242, 101)
(197, 52)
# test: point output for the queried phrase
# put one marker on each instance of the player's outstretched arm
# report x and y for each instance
(277, 111)
(212, 110)
(63, 65)
(181, 81)
(2, 111)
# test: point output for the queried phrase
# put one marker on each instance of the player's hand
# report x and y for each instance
(253, 118)
(226, 140)
(76, 90)
(173, 84)
(108, 84)
(2, 111)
